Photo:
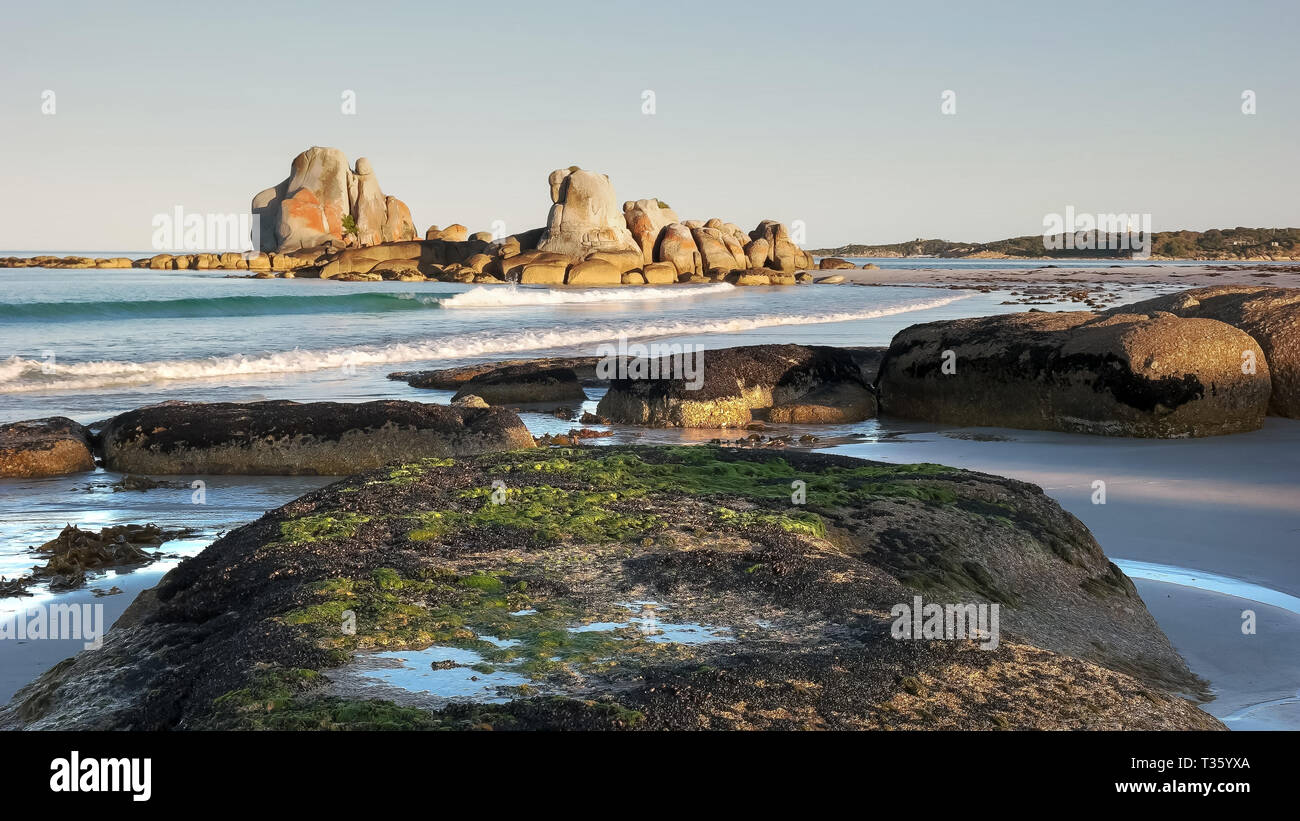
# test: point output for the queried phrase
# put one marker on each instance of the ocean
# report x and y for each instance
(87, 344)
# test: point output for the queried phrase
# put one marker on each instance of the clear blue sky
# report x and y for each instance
(825, 112)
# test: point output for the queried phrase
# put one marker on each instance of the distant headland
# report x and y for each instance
(1216, 244)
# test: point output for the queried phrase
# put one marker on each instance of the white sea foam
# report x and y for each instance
(497, 297)
(24, 375)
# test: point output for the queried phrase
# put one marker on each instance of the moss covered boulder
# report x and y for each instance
(292, 438)
(1124, 374)
(633, 588)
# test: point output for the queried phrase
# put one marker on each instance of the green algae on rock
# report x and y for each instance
(632, 588)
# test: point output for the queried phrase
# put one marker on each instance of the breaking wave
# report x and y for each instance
(19, 375)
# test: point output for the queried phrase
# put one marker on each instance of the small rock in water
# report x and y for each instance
(588, 433)
(133, 482)
(14, 587)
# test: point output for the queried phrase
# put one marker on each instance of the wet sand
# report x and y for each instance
(1256, 677)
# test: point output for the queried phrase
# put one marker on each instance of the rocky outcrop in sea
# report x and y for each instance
(325, 202)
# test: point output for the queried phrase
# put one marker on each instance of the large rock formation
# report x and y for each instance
(730, 387)
(584, 216)
(309, 222)
(644, 239)
(1120, 375)
(1270, 315)
(309, 208)
(288, 438)
(712, 247)
(44, 447)
(647, 588)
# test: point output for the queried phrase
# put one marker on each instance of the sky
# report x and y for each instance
(826, 112)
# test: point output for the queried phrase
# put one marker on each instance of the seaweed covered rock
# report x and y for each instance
(523, 384)
(44, 447)
(646, 588)
(1124, 374)
(74, 552)
(291, 438)
(1270, 315)
(453, 379)
(730, 387)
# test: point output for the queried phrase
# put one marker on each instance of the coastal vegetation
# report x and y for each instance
(1213, 244)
